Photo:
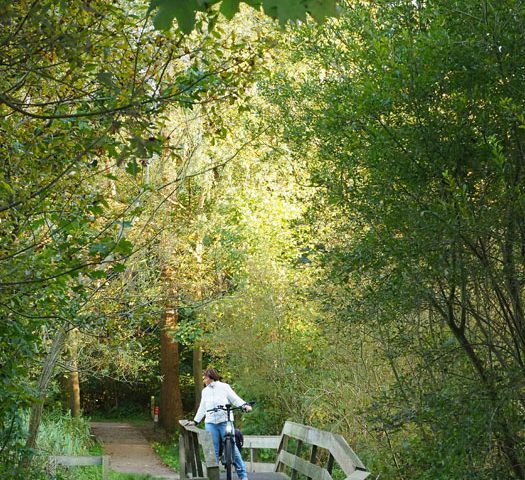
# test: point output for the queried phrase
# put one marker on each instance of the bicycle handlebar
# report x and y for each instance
(229, 407)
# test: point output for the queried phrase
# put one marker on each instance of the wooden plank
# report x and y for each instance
(81, 461)
(358, 475)
(195, 441)
(262, 476)
(212, 473)
(193, 456)
(76, 461)
(310, 435)
(303, 467)
(283, 445)
(313, 457)
(260, 467)
(182, 458)
(298, 449)
(261, 441)
(206, 442)
(106, 465)
(313, 454)
(336, 444)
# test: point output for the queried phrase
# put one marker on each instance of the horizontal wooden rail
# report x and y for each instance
(253, 443)
(80, 461)
(335, 444)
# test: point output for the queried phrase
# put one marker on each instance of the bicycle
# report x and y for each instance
(228, 442)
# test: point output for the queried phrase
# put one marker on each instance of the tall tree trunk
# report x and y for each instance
(197, 352)
(43, 383)
(74, 381)
(197, 375)
(170, 395)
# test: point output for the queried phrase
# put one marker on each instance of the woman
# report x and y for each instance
(219, 393)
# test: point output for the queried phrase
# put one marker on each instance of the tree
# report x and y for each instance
(408, 116)
(84, 88)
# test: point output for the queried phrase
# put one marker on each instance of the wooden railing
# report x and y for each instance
(79, 461)
(196, 454)
(315, 454)
(322, 450)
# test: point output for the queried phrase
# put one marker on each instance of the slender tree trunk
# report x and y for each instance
(43, 383)
(197, 352)
(170, 395)
(74, 381)
(197, 375)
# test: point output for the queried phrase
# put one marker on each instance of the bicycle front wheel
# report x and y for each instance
(228, 457)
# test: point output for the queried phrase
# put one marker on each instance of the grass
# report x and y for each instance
(95, 473)
(62, 435)
(169, 454)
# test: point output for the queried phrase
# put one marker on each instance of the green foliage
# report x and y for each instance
(394, 264)
(285, 10)
(403, 115)
(59, 435)
(82, 129)
(169, 453)
(64, 435)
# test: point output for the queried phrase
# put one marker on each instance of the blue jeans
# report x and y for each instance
(218, 431)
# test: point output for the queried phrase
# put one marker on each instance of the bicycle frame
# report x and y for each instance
(228, 449)
(228, 442)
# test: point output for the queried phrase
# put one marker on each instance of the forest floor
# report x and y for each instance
(130, 449)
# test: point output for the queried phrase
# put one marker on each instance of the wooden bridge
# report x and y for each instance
(301, 452)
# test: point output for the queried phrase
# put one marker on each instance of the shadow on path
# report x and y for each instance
(129, 449)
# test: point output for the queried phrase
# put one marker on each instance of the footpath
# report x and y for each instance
(130, 450)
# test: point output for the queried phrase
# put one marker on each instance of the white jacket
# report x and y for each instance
(216, 393)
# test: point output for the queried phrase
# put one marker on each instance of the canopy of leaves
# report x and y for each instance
(409, 118)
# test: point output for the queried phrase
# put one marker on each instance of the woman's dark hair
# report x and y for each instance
(212, 374)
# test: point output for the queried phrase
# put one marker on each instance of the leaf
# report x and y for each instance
(133, 168)
(103, 248)
(229, 8)
(320, 10)
(6, 187)
(106, 78)
(270, 7)
(125, 247)
(97, 274)
(291, 10)
(118, 267)
(284, 10)
(183, 10)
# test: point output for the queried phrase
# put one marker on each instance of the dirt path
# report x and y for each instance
(130, 450)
